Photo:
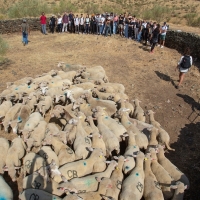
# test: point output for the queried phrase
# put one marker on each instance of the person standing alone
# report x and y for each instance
(43, 21)
(25, 31)
(183, 65)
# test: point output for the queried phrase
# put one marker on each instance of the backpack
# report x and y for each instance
(185, 64)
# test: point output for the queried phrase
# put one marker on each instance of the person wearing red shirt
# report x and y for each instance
(43, 21)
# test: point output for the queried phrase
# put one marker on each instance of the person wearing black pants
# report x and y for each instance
(154, 37)
(52, 24)
(93, 25)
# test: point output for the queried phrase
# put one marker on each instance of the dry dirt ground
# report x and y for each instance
(148, 77)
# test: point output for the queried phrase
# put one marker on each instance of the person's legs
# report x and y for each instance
(181, 77)
(44, 29)
(106, 30)
(152, 47)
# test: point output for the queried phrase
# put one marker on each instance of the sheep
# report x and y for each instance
(161, 175)
(89, 183)
(82, 141)
(152, 188)
(116, 179)
(85, 125)
(104, 184)
(71, 133)
(125, 104)
(129, 164)
(67, 75)
(37, 181)
(114, 126)
(109, 105)
(152, 120)
(65, 154)
(83, 107)
(58, 83)
(141, 139)
(138, 112)
(179, 190)
(97, 141)
(51, 91)
(24, 80)
(37, 194)
(37, 135)
(111, 141)
(82, 167)
(32, 162)
(21, 118)
(10, 115)
(163, 135)
(153, 141)
(5, 190)
(133, 185)
(4, 146)
(15, 153)
(31, 100)
(86, 85)
(67, 67)
(48, 154)
(132, 145)
(100, 95)
(176, 174)
(32, 122)
(44, 105)
(4, 108)
(24, 88)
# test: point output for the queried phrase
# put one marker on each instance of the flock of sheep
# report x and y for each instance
(95, 145)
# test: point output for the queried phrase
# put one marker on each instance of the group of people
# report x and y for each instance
(127, 26)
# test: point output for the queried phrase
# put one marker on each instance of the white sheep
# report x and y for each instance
(176, 174)
(15, 153)
(4, 146)
(138, 112)
(133, 185)
(5, 190)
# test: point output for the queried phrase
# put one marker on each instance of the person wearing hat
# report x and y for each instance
(52, 23)
(25, 31)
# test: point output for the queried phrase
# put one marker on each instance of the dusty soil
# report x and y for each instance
(148, 77)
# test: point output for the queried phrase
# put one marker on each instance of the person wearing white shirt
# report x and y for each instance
(76, 23)
(163, 35)
(184, 65)
(59, 23)
(81, 25)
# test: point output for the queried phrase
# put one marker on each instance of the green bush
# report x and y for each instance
(158, 13)
(3, 48)
(65, 5)
(28, 8)
(192, 19)
(91, 8)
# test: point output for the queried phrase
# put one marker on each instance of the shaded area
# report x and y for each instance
(187, 158)
(195, 106)
(165, 77)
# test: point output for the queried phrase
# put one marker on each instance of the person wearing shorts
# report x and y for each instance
(183, 71)
(163, 35)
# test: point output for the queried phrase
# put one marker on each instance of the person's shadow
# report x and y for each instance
(186, 158)
(194, 105)
(165, 77)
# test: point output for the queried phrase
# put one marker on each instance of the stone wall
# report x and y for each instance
(180, 40)
(175, 39)
(11, 26)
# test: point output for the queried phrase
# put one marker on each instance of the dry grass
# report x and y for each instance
(179, 9)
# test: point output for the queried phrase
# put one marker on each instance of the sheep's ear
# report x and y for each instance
(173, 187)
(185, 187)
(98, 179)
(64, 179)
(89, 148)
(115, 157)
